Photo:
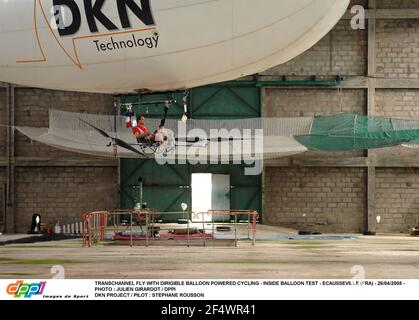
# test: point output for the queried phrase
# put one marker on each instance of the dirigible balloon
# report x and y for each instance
(122, 46)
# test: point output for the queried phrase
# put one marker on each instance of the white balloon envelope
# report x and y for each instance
(121, 46)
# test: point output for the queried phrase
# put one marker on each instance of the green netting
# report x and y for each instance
(346, 132)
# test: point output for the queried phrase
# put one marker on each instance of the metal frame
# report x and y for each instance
(97, 224)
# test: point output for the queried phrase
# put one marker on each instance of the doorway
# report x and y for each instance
(210, 192)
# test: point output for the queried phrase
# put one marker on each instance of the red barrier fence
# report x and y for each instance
(107, 225)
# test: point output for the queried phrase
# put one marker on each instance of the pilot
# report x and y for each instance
(141, 132)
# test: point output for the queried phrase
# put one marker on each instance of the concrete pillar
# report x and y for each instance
(369, 219)
(10, 171)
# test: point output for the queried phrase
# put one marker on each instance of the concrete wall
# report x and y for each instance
(398, 58)
(339, 195)
(333, 200)
(398, 4)
(397, 198)
(3, 121)
(32, 107)
(2, 198)
(322, 199)
(397, 188)
(342, 51)
(399, 103)
(68, 184)
(3, 150)
(398, 49)
(63, 194)
(313, 102)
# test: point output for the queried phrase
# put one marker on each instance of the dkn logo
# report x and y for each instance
(93, 10)
(20, 289)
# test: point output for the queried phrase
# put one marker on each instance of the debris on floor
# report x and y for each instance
(308, 233)
(223, 229)
(414, 232)
(41, 238)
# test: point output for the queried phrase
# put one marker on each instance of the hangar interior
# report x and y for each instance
(371, 71)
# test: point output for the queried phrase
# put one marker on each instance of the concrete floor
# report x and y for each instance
(12, 237)
(384, 257)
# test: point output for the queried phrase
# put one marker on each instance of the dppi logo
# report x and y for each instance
(27, 290)
(94, 12)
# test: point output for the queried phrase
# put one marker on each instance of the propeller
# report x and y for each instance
(115, 141)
